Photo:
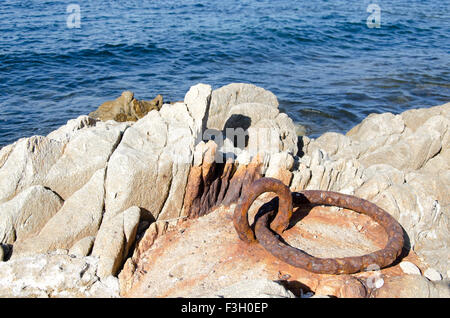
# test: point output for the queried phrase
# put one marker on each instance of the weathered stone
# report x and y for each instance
(377, 179)
(413, 151)
(80, 216)
(409, 268)
(126, 108)
(73, 126)
(331, 142)
(114, 240)
(150, 166)
(411, 286)
(197, 100)
(300, 178)
(26, 214)
(343, 286)
(432, 274)
(84, 154)
(280, 166)
(414, 118)
(201, 256)
(26, 163)
(377, 126)
(59, 276)
(83, 247)
(224, 98)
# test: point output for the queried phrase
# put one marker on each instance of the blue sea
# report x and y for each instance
(330, 63)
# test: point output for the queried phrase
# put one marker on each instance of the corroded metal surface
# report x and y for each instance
(298, 258)
(257, 188)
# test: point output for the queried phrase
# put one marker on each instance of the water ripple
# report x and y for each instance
(327, 67)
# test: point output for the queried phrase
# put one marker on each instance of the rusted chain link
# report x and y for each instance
(298, 258)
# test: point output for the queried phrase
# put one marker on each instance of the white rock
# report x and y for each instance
(409, 268)
(79, 217)
(224, 98)
(65, 133)
(432, 274)
(43, 275)
(26, 163)
(83, 247)
(114, 241)
(84, 154)
(26, 214)
(197, 100)
(150, 167)
(279, 161)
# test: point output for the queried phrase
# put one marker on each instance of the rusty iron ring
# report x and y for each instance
(298, 258)
(258, 187)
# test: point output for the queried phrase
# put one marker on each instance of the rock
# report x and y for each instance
(26, 163)
(2, 253)
(280, 167)
(59, 276)
(398, 162)
(343, 286)
(331, 142)
(150, 166)
(197, 101)
(211, 183)
(79, 217)
(126, 108)
(301, 178)
(431, 185)
(204, 255)
(155, 230)
(378, 178)
(411, 286)
(255, 111)
(83, 247)
(414, 150)
(224, 98)
(415, 118)
(88, 151)
(269, 131)
(259, 288)
(380, 126)
(114, 241)
(158, 173)
(422, 218)
(4, 153)
(65, 133)
(26, 214)
(440, 163)
(432, 274)
(409, 268)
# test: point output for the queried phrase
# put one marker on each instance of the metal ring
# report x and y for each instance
(344, 265)
(260, 186)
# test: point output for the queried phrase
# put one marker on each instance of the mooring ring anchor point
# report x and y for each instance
(260, 186)
(298, 258)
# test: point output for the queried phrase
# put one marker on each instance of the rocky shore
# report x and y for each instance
(136, 200)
